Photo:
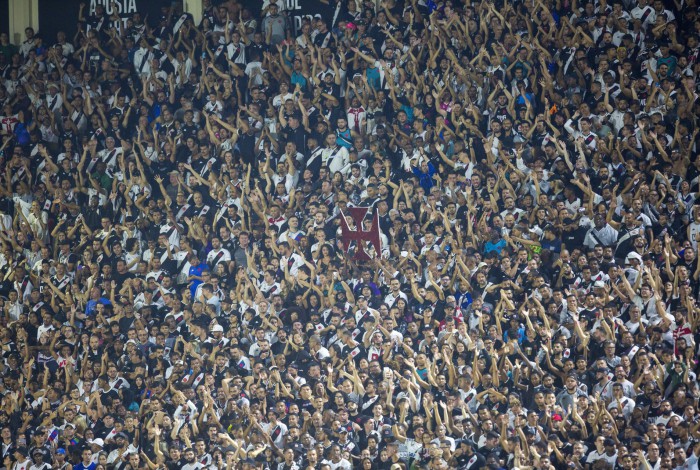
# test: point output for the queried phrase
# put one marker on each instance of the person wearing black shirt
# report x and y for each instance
(465, 458)
(295, 132)
(257, 47)
(573, 234)
(246, 141)
(433, 301)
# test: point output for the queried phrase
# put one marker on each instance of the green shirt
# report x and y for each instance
(104, 180)
(8, 50)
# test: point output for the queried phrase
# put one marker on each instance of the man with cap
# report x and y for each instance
(620, 377)
(96, 445)
(59, 459)
(248, 464)
(120, 451)
(634, 266)
(54, 100)
(40, 460)
(217, 337)
(105, 427)
(21, 458)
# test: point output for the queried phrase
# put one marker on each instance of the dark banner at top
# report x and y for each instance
(62, 15)
(298, 10)
(5, 17)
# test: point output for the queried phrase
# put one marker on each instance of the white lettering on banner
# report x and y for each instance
(293, 5)
(299, 20)
(312, 8)
(124, 8)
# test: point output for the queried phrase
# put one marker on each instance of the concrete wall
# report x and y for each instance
(23, 13)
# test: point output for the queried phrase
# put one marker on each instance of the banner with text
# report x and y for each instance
(62, 15)
(298, 10)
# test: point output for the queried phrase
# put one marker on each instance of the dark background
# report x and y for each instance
(5, 17)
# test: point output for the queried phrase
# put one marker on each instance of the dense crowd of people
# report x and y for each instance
(177, 291)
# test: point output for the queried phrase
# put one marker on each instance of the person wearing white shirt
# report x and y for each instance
(235, 50)
(293, 231)
(660, 10)
(604, 450)
(217, 254)
(601, 234)
(317, 350)
(284, 95)
(254, 70)
(334, 155)
(54, 100)
(142, 58)
(395, 293)
(283, 176)
(289, 259)
(276, 429)
(621, 32)
(213, 106)
(621, 402)
(13, 307)
(29, 44)
(336, 461)
(644, 12)
(35, 216)
(206, 295)
(110, 154)
(291, 154)
(356, 115)
(616, 118)
(67, 48)
(19, 463)
(584, 131)
(511, 209)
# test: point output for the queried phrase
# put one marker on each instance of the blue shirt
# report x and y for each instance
(92, 305)
(298, 78)
(425, 179)
(374, 78)
(21, 133)
(552, 245)
(81, 466)
(497, 247)
(521, 335)
(371, 285)
(196, 271)
(463, 299)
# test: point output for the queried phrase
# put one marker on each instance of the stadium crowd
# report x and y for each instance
(177, 293)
